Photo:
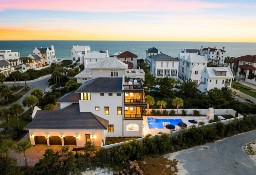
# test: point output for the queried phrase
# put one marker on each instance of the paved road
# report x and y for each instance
(224, 157)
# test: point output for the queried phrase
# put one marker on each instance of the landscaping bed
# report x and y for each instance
(112, 140)
(245, 89)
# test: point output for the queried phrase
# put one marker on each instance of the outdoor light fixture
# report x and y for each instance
(93, 136)
(62, 136)
(32, 136)
(47, 136)
(77, 137)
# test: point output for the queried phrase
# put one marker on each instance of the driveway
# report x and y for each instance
(221, 157)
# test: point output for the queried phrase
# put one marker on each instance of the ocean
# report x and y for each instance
(171, 48)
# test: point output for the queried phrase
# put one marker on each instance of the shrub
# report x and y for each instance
(165, 113)
(196, 112)
(153, 112)
(184, 112)
(172, 112)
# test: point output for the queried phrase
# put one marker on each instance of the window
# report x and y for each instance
(101, 94)
(222, 81)
(167, 64)
(97, 108)
(118, 94)
(114, 73)
(106, 110)
(86, 96)
(119, 110)
(210, 80)
(162, 64)
(196, 72)
(110, 94)
(132, 127)
(216, 81)
(110, 128)
(131, 59)
(172, 64)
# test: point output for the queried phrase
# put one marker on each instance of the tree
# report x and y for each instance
(5, 91)
(25, 77)
(229, 61)
(49, 107)
(38, 93)
(166, 86)
(162, 104)
(5, 114)
(22, 147)
(5, 146)
(178, 102)
(30, 101)
(72, 85)
(2, 78)
(14, 76)
(16, 109)
(150, 101)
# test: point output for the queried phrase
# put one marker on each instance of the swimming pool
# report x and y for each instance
(159, 123)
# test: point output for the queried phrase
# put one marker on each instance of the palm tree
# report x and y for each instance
(22, 147)
(38, 93)
(150, 101)
(178, 102)
(5, 92)
(5, 114)
(229, 61)
(30, 101)
(162, 104)
(5, 146)
(2, 78)
(25, 77)
(16, 109)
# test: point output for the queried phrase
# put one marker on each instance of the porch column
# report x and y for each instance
(48, 141)
(62, 140)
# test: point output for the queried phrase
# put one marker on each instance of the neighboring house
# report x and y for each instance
(163, 65)
(108, 67)
(191, 65)
(46, 53)
(245, 68)
(5, 67)
(215, 77)
(78, 52)
(128, 58)
(93, 57)
(152, 51)
(214, 55)
(100, 108)
(11, 57)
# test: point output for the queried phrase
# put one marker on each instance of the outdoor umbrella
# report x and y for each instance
(170, 126)
(192, 121)
(181, 124)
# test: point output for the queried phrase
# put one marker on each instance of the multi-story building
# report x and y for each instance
(191, 65)
(93, 57)
(11, 57)
(5, 67)
(215, 56)
(78, 52)
(245, 68)
(215, 77)
(128, 58)
(46, 53)
(100, 108)
(162, 65)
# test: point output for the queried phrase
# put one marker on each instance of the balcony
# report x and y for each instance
(227, 83)
(160, 75)
(134, 101)
(133, 117)
(174, 75)
(133, 85)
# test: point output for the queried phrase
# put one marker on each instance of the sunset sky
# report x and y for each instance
(140, 20)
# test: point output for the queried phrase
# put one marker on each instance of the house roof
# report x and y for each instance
(152, 50)
(44, 49)
(247, 67)
(86, 73)
(163, 57)
(127, 54)
(81, 48)
(102, 84)
(247, 58)
(67, 118)
(4, 63)
(213, 49)
(70, 97)
(212, 72)
(95, 55)
(192, 50)
(193, 57)
(129, 64)
(108, 63)
(35, 57)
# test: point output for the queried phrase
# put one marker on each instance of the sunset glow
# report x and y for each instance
(140, 20)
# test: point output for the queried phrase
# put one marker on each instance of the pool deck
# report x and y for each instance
(147, 130)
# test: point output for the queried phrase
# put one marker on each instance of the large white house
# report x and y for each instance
(93, 57)
(162, 65)
(191, 65)
(46, 53)
(5, 67)
(78, 52)
(108, 67)
(11, 57)
(101, 107)
(215, 77)
(245, 68)
(214, 55)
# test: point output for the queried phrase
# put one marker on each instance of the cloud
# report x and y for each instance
(110, 5)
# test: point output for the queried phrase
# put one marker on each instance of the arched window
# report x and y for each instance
(132, 127)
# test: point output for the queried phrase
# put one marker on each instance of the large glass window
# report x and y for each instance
(86, 96)
(119, 110)
(110, 128)
(106, 110)
(114, 73)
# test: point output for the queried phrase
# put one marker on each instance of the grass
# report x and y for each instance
(245, 89)
(22, 121)
(112, 140)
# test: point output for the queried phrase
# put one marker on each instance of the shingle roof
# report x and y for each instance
(108, 63)
(247, 67)
(212, 72)
(4, 63)
(152, 50)
(102, 84)
(67, 118)
(192, 50)
(163, 57)
(247, 58)
(70, 97)
(127, 54)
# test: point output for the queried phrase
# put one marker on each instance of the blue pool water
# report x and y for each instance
(159, 123)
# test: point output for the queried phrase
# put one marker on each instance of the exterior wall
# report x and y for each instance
(106, 72)
(165, 67)
(77, 55)
(97, 136)
(129, 133)
(112, 102)
(90, 60)
(139, 73)
(131, 60)
(12, 57)
(49, 56)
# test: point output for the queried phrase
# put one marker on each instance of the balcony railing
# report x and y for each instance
(174, 75)
(159, 74)
(135, 101)
(227, 83)
(133, 117)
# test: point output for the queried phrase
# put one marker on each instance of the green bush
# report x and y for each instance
(165, 113)
(196, 112)
(172, 112)
(184, 112)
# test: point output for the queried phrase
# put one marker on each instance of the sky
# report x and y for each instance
(129, 20)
